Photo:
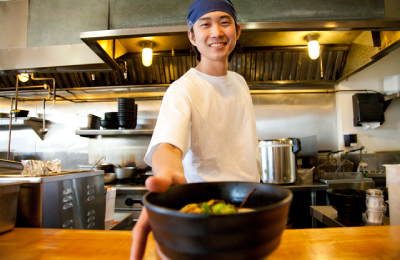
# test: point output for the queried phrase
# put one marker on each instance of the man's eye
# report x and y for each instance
(204, 24)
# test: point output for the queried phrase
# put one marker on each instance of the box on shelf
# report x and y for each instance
(110, 204)
(391, 84)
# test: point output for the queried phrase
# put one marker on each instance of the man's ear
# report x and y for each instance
(239, 30)
(191, 38)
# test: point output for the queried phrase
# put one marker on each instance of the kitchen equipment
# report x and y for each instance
(8, 205)
(374, 202)
(305, 175)
(103, 167)
(124, 172)
(109, 177)
(278, 160)
(249, 235)
(88, 121)
(44, 130)
(98, 161)
(74, 200)
(349, 203)
(11, 167)
(393, 185)
(329, 165)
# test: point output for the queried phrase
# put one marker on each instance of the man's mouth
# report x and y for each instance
(217, 44)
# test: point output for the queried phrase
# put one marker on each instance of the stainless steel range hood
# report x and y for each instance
(272, 52)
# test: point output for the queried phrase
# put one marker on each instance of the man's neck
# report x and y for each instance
(214, 68)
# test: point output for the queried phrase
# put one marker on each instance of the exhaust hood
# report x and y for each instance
(272, 52)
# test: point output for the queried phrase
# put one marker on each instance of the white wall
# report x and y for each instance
(385, 137)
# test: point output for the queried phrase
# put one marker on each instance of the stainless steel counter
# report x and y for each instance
(300, 186)
(71, 199)
(328, 216)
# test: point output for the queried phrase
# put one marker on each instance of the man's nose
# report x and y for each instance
(216, 31)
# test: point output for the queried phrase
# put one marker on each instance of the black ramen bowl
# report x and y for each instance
(349, 203)
(248, 235)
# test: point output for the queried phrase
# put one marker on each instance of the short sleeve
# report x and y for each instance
(173, 123)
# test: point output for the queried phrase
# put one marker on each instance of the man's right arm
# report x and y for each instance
(167, 168)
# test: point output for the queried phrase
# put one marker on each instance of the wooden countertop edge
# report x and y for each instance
(372, 242)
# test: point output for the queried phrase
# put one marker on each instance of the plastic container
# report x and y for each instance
(110, 204)
(88, 121)
(393, 185)
(305, 175)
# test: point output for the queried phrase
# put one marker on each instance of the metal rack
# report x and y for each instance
(95, 132)
(24, 122)
(392, 96)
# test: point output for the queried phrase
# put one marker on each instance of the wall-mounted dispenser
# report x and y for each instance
(369, 108)
(350, 140)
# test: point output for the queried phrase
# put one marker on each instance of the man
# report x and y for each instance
(206, 129)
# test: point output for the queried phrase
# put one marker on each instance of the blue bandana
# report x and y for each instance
(202, 7)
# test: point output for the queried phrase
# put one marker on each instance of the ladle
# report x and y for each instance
(44, 129)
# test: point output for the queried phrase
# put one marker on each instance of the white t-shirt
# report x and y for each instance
(211, 120)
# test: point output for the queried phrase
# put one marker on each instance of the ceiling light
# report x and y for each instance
(313, 46)
(23, 77)
(147, 53)
(93, 76)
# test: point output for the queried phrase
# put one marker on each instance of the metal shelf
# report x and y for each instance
(392, 96)
(22, 123)
(94, 132)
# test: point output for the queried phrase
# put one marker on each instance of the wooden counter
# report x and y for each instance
(372, 242)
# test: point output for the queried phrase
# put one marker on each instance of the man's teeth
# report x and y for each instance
(217, 44)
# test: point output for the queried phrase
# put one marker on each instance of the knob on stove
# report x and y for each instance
(130, 202)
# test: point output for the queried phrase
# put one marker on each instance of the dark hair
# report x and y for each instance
(236, 49)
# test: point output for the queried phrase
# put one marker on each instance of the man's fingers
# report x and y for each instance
(158, 184)
(139, 236)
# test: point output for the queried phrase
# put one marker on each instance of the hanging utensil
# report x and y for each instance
(44, 130)
(98, 161)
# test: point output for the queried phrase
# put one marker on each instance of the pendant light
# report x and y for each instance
(23, 77)
(313, 46)
(147, 53)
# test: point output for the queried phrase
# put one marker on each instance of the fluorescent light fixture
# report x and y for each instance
(313, 46)
(23, 77)
(147, 54)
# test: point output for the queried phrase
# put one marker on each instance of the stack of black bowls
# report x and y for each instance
(127, 113)
(110, 120)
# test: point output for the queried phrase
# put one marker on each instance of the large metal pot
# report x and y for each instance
(278, 160)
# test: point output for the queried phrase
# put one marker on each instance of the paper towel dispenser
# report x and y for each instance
(368, 108)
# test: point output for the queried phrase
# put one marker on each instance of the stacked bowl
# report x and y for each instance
(127, 113)
(110, 120)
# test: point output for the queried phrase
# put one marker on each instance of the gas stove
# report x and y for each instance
(137, 181)
(129, 193)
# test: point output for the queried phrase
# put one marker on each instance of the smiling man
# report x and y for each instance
(206, 129)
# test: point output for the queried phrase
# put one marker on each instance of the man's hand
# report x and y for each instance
(168, 170)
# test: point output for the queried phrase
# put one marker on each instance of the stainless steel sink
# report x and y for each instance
(351, 180)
